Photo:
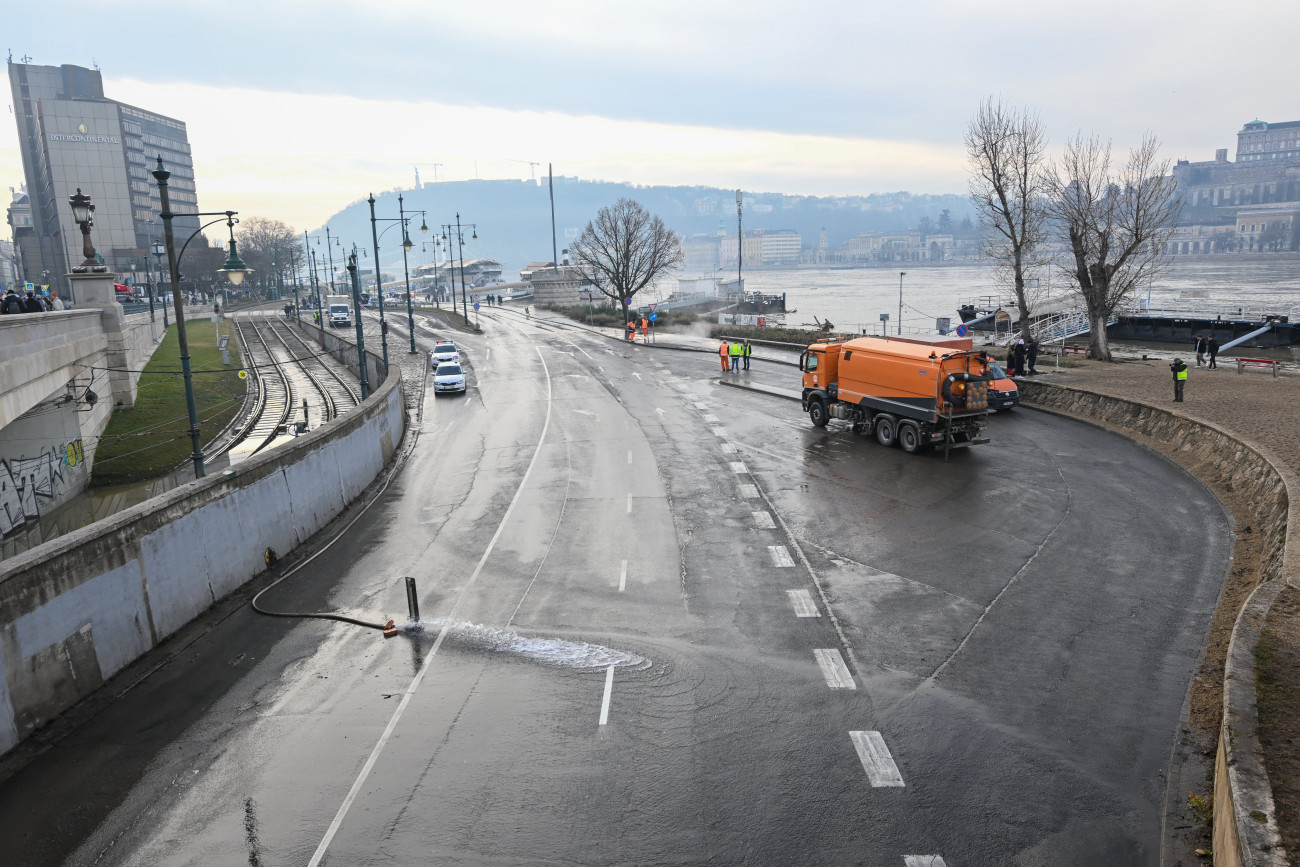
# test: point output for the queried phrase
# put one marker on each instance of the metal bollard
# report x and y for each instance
(412, 601)
(1277, 366)
(1241, 366)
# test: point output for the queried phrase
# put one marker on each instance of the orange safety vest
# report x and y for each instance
(723, 350)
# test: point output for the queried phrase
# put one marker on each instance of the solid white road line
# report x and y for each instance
(803, 603)
(763, 521)
(923, 861)
(369, 765)
(609, 688)
(780, 556)
(710, 418)
(622, 577)
(876, 760)
(749, 492)
(738, 467)
(728, 448)
(837, 674)
(629, 457)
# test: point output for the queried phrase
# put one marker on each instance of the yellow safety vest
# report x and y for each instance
(1180, 375)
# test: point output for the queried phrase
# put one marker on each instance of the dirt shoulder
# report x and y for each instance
(1261, 411)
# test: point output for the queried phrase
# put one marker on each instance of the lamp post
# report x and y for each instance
(158, 249)
(901, 275)
(402, 219)
(234, 270)
(361, 338)
(83, 213)
(459, 238)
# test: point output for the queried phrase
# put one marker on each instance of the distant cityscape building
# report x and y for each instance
(1251, 205)
(71, 136)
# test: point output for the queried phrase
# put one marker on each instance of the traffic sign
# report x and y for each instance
(627, 302)
(654, 316)
(962, 330)
(475, 305)
(243, 374)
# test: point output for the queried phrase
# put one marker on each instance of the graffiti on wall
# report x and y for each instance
(26, 483)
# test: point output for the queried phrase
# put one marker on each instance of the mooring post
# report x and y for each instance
(412, 601)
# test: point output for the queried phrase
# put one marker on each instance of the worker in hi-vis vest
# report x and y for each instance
(735, 351)
(725, 352)
(1180, 378)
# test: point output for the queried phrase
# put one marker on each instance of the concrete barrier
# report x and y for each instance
(345, 352)
(1245, 822)
(76, 610)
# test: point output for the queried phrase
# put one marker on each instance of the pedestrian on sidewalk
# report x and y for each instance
(1180, 378)
(1031, 356)
(1019, 356)
(12, 303)
(1202, 347)
(1212, 347)
(746, 352)
(32, 304)
(734, 352)
(725, 352)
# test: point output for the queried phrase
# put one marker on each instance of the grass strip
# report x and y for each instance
(151, 439)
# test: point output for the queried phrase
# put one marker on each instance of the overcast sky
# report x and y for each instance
(297, 108)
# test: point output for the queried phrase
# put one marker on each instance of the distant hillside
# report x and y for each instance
(513, 218)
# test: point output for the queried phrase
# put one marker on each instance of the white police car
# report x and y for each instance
(443, 351)
(449, 376)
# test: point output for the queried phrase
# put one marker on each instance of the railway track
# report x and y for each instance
(290, 374)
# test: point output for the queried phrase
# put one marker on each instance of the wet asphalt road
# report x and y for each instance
(613, 555)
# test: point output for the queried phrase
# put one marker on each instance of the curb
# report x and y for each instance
(1241, 837)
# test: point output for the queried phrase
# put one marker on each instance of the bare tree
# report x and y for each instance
(1007, 147)
(624, 249)
(267, 245)
(1115, 225)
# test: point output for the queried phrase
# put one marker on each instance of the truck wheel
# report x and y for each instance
(885, 429)
(817, 413)
(909, 438)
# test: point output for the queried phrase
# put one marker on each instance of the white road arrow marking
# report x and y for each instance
(637, 375)
(660, 412)
(588, 413)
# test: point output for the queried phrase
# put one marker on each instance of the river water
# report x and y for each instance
(853, 298)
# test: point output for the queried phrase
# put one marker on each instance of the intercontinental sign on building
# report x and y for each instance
(72, 136)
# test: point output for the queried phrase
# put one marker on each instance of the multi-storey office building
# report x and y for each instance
(73, 137)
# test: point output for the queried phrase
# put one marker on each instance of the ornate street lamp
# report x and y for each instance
(83, 213)
(402, 219)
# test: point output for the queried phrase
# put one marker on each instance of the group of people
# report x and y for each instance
(645, 330)
(1022, 358)
(734, 354)
(1207, 351)
(33, 303)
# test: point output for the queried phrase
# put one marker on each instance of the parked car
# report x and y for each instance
(1003, 393)
(444, 350)
(449, 376)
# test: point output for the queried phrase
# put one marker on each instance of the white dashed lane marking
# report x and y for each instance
(837, 674)
(609, 688)
(629, 504)
(876, 760)
(728, 448)
(622, 577)
(923, 861)
(749, 492)
(719, 432)
(700, 405)
(763, 521)
(802, 602)
(629, 457)
(711, 419)
(780, 556)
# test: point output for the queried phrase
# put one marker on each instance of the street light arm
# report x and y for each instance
(228, 216)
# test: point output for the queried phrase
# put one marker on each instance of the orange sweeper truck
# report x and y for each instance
(916, 394)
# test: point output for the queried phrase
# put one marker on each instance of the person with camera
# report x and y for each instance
(1180, 378)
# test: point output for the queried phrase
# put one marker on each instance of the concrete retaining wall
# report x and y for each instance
(1245, 823)
(77, 609)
